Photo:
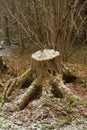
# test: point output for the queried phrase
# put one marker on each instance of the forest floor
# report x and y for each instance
(46, 113)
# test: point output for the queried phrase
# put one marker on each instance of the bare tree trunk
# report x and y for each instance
(3, 67)
(1, 64)
(21, 45)
(6, 30)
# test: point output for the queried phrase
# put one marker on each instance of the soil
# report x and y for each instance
(46, 113)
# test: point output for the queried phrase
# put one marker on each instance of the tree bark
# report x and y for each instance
(1, 64)
(18, 82)
(6, 30)
(55, 89)
(32, 93)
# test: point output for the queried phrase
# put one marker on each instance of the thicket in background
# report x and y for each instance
(39, 24)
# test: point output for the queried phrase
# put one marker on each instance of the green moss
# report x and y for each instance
(66, 119)
(43, 128)
(84, 104)
(81, 80)
(57, 100)
(51, 127)
(68, 109)
(72, 99)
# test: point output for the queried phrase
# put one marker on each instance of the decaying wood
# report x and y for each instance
(32, 92)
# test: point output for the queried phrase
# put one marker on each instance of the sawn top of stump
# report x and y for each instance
(46, 54)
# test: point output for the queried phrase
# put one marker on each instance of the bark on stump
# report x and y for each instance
(33, 92)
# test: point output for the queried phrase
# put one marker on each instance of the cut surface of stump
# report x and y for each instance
(46, 54)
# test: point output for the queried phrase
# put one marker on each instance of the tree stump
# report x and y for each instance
(44, 67)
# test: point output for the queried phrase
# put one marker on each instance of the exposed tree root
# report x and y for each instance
(11, 87)
(33, 92)
(17, 82)
(57, 92)
(68, 76)
(6, 87)
(22, 79)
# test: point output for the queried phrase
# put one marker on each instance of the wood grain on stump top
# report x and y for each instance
(46, 54)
